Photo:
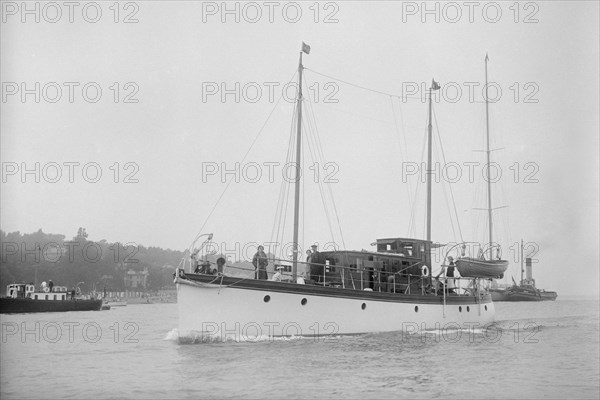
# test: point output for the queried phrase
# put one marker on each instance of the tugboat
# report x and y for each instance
(525, 290)
(24, 298)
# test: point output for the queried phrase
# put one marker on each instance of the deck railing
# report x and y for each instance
(392, 282)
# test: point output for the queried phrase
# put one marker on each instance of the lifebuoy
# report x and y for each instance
(425, 270)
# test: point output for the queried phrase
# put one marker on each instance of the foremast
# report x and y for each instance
(434, 86)
(305, 49)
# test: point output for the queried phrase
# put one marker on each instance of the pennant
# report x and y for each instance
(305, 48)
(434, 85)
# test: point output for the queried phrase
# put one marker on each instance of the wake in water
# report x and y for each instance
(537, 324)
(204, 337)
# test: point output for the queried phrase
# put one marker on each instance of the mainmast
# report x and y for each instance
(489, 183)
(305, 49)
(434, 86)
(429, 130)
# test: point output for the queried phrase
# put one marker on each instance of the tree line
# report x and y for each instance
(38, 256)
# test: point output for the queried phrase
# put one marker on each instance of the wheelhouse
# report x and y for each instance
(396, 266)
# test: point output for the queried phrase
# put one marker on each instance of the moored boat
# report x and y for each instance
(526, 289)
(526, 292)
(498, 294)
(24, 298)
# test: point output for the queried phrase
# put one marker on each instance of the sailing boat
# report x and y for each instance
(390, 289)
(480, 267)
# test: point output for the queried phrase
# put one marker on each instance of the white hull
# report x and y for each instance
(233, 313)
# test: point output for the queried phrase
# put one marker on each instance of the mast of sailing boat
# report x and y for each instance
(305, 49)
(479, 267)
(434, 86)
(489, 183)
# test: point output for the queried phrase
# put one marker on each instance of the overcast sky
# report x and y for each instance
(162, 119)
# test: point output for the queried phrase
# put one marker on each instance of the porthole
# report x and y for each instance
(416, 308)
(459, 308)
(468, 309)
(363, 306)
(303, 302)
(267, 298)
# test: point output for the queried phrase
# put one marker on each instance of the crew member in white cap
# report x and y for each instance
(278, 276)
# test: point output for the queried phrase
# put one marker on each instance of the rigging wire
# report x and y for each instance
(316, 153)
(244, 158)
(449, 184)
(501, 231)
(403, 157)
(320, 153)
(282, 202)
(313, 149)
(363, 87)
(444, 190)
(391, 96)
(480, 225)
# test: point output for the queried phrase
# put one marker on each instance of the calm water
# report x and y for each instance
(548, 350)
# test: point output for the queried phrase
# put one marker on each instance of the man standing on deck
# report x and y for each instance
(306, 265)
(450, 275)
(260, 262)
(308, 255)
(315, 268)
(220, 265)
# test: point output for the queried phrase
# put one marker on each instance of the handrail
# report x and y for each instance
(355, 269)
(345, 266)
(411, 279)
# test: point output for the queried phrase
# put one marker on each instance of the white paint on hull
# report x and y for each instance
(225, 313)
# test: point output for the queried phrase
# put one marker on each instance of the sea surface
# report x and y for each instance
(535, 350)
